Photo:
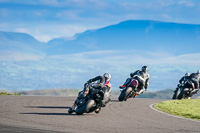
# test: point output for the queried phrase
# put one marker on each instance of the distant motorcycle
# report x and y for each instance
(90, 100)
(178, 90)
(130, 91)
(184, 90)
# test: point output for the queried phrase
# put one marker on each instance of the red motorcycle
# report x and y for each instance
(130, 91)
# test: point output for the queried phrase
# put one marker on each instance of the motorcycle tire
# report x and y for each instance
(182, 94)
(85, 107)
(176, 93)
(124, 94)
(70, 111)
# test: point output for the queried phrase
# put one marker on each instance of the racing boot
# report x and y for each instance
(135, 94)
(72, 109)
(128, 80)
(97, 110)
(122, 87)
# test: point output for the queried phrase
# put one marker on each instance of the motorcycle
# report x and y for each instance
(89, 100)
(130, 91)
(184, 91)
(177, 91)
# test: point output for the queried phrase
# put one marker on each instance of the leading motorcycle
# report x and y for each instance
(89, 100)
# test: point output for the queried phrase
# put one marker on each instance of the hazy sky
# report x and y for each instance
(48, 19)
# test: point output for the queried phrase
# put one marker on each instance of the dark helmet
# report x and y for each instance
(187, 74)
(144, 69)
(198, 71)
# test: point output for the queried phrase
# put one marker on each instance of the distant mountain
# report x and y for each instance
(142, 35)
(12, 42)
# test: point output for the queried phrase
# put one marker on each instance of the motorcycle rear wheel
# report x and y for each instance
(124, 94)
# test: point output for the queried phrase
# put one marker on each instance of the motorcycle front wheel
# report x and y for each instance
(85, 107)
(70, 110)
(183, 94)
(176, 93)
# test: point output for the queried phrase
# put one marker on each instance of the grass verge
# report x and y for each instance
(5, 93)
(188, 108)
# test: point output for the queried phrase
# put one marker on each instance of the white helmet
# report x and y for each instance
(198, 71)
(107, 75)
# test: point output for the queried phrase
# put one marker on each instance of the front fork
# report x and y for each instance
(82, 94)
(86, 91)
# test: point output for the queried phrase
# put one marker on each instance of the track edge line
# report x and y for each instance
(151, 106)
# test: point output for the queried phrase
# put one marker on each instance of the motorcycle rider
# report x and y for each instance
(101, 83)
(143, 78)
(181, 82)
(184, 78)
(195, 78)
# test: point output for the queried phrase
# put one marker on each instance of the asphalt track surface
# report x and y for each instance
(44, 114)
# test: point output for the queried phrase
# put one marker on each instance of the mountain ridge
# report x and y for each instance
(145, 35)
(20, 43)
(138, 34)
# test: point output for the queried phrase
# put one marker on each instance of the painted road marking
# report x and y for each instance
(151, 106)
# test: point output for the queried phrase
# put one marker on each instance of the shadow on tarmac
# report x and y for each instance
(48, 107)
(48, 113)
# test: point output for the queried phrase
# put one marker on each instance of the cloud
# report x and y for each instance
(186, 3)
(186, 59)
(45, 31)
(129, 57)
(59, 3)
(165, 3)
(69, 14)
(15, 56)
(162, 66)
(22, 30)
(54, 30)
(165, 69)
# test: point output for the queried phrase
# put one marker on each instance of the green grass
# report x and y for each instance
(5, 93)
(188, 108)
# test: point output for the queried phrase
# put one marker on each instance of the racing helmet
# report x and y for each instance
(107, 75)
(198, 71)
(187, 74)
(144, 69)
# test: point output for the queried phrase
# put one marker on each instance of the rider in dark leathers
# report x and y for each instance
(102, 83)
(143, 78)
(182, 82)
(195, 78)
(184, 78)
